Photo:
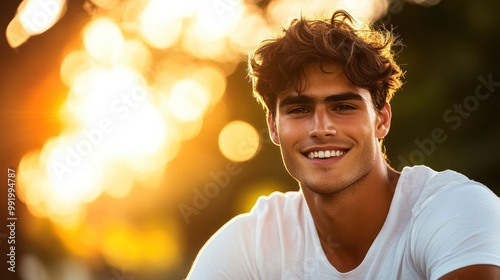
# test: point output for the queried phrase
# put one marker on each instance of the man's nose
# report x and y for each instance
(322, 125)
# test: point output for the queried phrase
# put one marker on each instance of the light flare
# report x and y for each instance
(103, 40)
(160, 26)
(136, 55)
(101, 94)
(239, 141)
(252, 29)
(73, 66)
(211, 77)
(37, 16)
(188, 100)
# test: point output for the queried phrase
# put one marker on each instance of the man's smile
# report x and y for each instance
(325, 153)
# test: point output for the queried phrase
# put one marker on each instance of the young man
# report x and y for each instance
(326, 86)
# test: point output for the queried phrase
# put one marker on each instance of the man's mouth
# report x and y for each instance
(326, 154)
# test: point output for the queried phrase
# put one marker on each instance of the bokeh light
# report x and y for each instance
(159, 25)
(239, 141)
(103, 40)
(188, 100)
(37, 16)
(33, 17)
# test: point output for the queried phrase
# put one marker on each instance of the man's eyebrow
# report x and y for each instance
(296, 99)
(307, 99)
(343, 97)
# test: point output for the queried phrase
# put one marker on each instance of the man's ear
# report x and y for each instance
(383, 123)
(273, 132)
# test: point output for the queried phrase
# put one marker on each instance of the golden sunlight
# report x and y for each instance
(37, 16)
(159, 27)
(103, 40)
(188, 100)
(239, 141)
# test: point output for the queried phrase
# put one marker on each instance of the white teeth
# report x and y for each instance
(325, 154)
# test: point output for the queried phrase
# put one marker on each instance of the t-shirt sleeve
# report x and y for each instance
(457, 227)
(228, 254)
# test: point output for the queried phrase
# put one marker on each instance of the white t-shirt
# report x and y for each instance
(438, 222)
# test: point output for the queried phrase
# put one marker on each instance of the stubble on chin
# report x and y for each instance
(329, 185)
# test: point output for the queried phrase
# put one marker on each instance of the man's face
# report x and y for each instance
(328, 134)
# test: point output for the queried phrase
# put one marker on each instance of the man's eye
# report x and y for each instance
(344, 107)
(298, 110)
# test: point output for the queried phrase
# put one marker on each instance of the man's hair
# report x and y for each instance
(364, 54)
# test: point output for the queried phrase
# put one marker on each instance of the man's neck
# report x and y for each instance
(349, 221)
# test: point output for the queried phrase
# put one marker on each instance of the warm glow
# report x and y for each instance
(103, 40)
(120, 246)
(37, 16)
(282, 11)
(155, 245)
(105, 4)
(15, 33)
(105, 95)
(212, 78)
(252, 29)
(188, 100)
(74, 166)
(159, 27)
(136, 55)
(203, 46)
(143, 132)
(119, 185)
(239, 141)
(189, 130)
(115, 129)
(73, 65)
(215, 19)
(246, 199)
(82, 240)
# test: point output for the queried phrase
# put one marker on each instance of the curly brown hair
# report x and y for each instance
(364, 53)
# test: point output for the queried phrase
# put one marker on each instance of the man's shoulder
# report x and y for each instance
(426, 176)
(426, 184)
(455, 223)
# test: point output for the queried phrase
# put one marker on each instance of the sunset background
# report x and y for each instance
(134, 135)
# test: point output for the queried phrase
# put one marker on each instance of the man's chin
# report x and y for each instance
(322, 188)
